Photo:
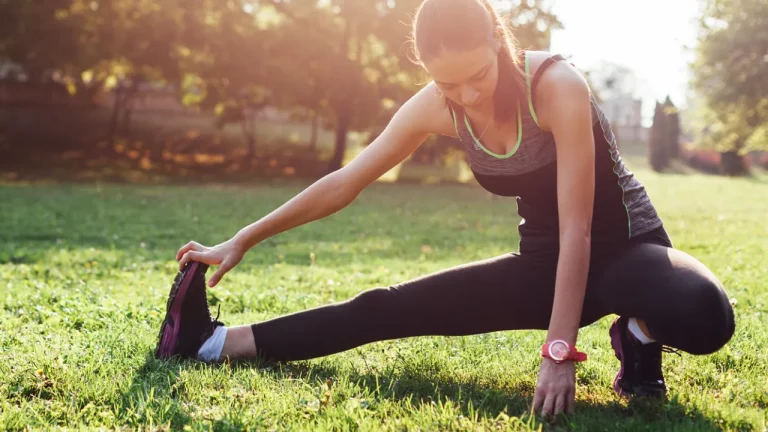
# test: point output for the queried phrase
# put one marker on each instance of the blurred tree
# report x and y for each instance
(225, 60)
(657, 152)
(672, 135)
(664, 139)
(731, 73)
(358, 69)
(531, 21)
(93, 45)
(91, 41)
(35, 35)
(341, 63)
(324, 61)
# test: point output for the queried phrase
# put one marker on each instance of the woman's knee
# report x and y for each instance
(714, 319)
(372, 302)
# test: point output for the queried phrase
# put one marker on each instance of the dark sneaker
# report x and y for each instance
(188, 323)
(640, 373)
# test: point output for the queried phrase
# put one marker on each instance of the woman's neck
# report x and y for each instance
(481, 114)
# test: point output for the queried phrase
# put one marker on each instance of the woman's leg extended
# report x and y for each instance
(678, 298)
(681, 302)
(507, 292)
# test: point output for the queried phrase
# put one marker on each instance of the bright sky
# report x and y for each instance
(648, 36)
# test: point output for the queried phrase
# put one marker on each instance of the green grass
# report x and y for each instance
(85, 270)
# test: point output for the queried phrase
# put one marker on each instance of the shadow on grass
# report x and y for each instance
(154, 397)
(152, 394)
(423, 389)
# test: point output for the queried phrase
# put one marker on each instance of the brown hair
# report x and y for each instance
(458, 25)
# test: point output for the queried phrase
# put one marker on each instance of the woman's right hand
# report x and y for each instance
(225, 255)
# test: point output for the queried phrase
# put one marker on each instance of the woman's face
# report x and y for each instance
(468, 78)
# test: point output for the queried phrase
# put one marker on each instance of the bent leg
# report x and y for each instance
(682, 302)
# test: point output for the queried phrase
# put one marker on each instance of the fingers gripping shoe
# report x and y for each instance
(188, 323)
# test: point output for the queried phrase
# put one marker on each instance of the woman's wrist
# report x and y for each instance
(246, 238)
(570, 336)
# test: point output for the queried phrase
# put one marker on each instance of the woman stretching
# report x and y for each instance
(591, 242)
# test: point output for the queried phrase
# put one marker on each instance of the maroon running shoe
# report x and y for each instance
(188, 323)
(640, 374)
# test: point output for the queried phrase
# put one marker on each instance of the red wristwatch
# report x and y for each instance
(559, 351)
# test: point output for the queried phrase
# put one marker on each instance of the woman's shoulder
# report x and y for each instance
(559, 80)
(535, 59)
(428, 111)
(557, 69)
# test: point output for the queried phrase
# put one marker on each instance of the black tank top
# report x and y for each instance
(622, 208)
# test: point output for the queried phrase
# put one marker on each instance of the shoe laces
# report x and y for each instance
(216, 321)
(648, 362)
(650, 366)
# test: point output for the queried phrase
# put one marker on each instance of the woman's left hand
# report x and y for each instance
(556, 389)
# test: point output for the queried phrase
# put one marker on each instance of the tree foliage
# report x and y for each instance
(343, 63)
(664, 139)
(731, 73)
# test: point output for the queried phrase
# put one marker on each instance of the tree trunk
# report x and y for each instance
(114, 121)
(251, 143)
(340, 143)
(127, 116)
(732, 164)
(343, 105)
(129, 102)
(249, 132)
(674, 136)
(658, 148)
(109, 41)
(674, 147)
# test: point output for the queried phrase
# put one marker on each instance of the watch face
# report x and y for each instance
(558, 350)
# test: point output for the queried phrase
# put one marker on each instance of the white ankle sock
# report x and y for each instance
(211, 349)
(634, 328)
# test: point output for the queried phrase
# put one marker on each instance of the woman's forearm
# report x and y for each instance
(323, 198)
(570, 287)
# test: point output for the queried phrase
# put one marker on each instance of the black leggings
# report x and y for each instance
(682, 302)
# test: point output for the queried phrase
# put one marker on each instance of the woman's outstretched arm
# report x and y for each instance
(421, 115)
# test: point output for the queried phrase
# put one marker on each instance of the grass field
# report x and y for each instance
(85, 270)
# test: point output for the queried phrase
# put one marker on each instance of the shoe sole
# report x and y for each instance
(169, 330)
